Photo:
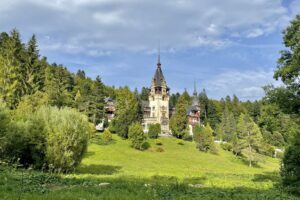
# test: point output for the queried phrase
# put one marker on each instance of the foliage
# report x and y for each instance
(204, 138)
(290, 169)
(288, 64)
(249, 136)
(30, 103)
(67, 137)
(126, 111)
(154, 130)
(137, 136)
(106, 136)
(227, 127)
(178, 122)
(226, 146)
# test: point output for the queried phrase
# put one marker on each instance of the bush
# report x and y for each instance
(67, 136)
(290, 169)
(154, 130)
(112, 126)
(159, 149)
(266, 149)
(22, 141)
(158, 142)
(136, 135)
(106, 136)
(226, 146)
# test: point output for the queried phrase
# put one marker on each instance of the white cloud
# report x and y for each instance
(247, 85)
(138, 25)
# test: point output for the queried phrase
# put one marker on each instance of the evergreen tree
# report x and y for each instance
(187, 97)
(34, 73)
(178, 122)
(290, 169)
(203, 100)
(204, 138)
(173, 100)
(11, 59)
(59, 84)
(249, 136)
(145, 94)
(228, 125)
(137, 136)
(126, 111)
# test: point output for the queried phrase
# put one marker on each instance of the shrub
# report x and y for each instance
(67, 133)
(154, 130)
(22, 141)
(137, 136)
(290, 169)
(106, 136)
(112, 126)
(226, 146)
(158, 142)
(159, 149)
(266, 149)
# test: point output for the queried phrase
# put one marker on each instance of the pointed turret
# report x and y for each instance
(159, 79)
(195, 96)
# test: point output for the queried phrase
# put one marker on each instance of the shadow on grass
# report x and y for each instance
(156, 187)
(98, 169)
(267, 176)
(99, 141)
(88, 154)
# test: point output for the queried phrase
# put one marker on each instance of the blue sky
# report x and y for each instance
(227, 46)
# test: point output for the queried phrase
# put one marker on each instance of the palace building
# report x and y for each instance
(156, 109)
(193, 113)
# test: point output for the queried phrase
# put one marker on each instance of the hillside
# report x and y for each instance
(117, 171)
(179, 159)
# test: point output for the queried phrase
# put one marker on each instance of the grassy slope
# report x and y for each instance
(168, 174)
(181, 161)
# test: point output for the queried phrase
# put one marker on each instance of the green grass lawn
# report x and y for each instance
(180, 159)
(180, 171)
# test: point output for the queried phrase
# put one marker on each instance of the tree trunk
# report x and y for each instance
(250, 150)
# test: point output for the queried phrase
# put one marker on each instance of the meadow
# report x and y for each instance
(168, 169)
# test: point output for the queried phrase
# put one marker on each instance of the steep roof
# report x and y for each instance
(159, 78)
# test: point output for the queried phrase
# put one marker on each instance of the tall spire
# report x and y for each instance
(158, 57)
(195, 89)
(195, 96)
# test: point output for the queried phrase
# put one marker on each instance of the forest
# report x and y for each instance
(48, 114)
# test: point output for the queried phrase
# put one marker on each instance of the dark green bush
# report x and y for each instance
(154, 130)
(106, 136)
(158, 142)
(290, 169)
(137, 136)
(226, 146)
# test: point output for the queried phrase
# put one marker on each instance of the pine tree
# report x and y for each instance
(228, 125)
(249, 136)
(11, 55)
(178, 122)
(126, 111)
(203, 100)
(34, 73)
(204, 138)
(137, 136)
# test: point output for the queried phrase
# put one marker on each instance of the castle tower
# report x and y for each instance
(194, 111)
(159, 99)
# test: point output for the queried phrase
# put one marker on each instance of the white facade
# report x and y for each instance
(158, 102)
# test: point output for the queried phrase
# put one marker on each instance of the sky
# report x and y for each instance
(226, 46)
